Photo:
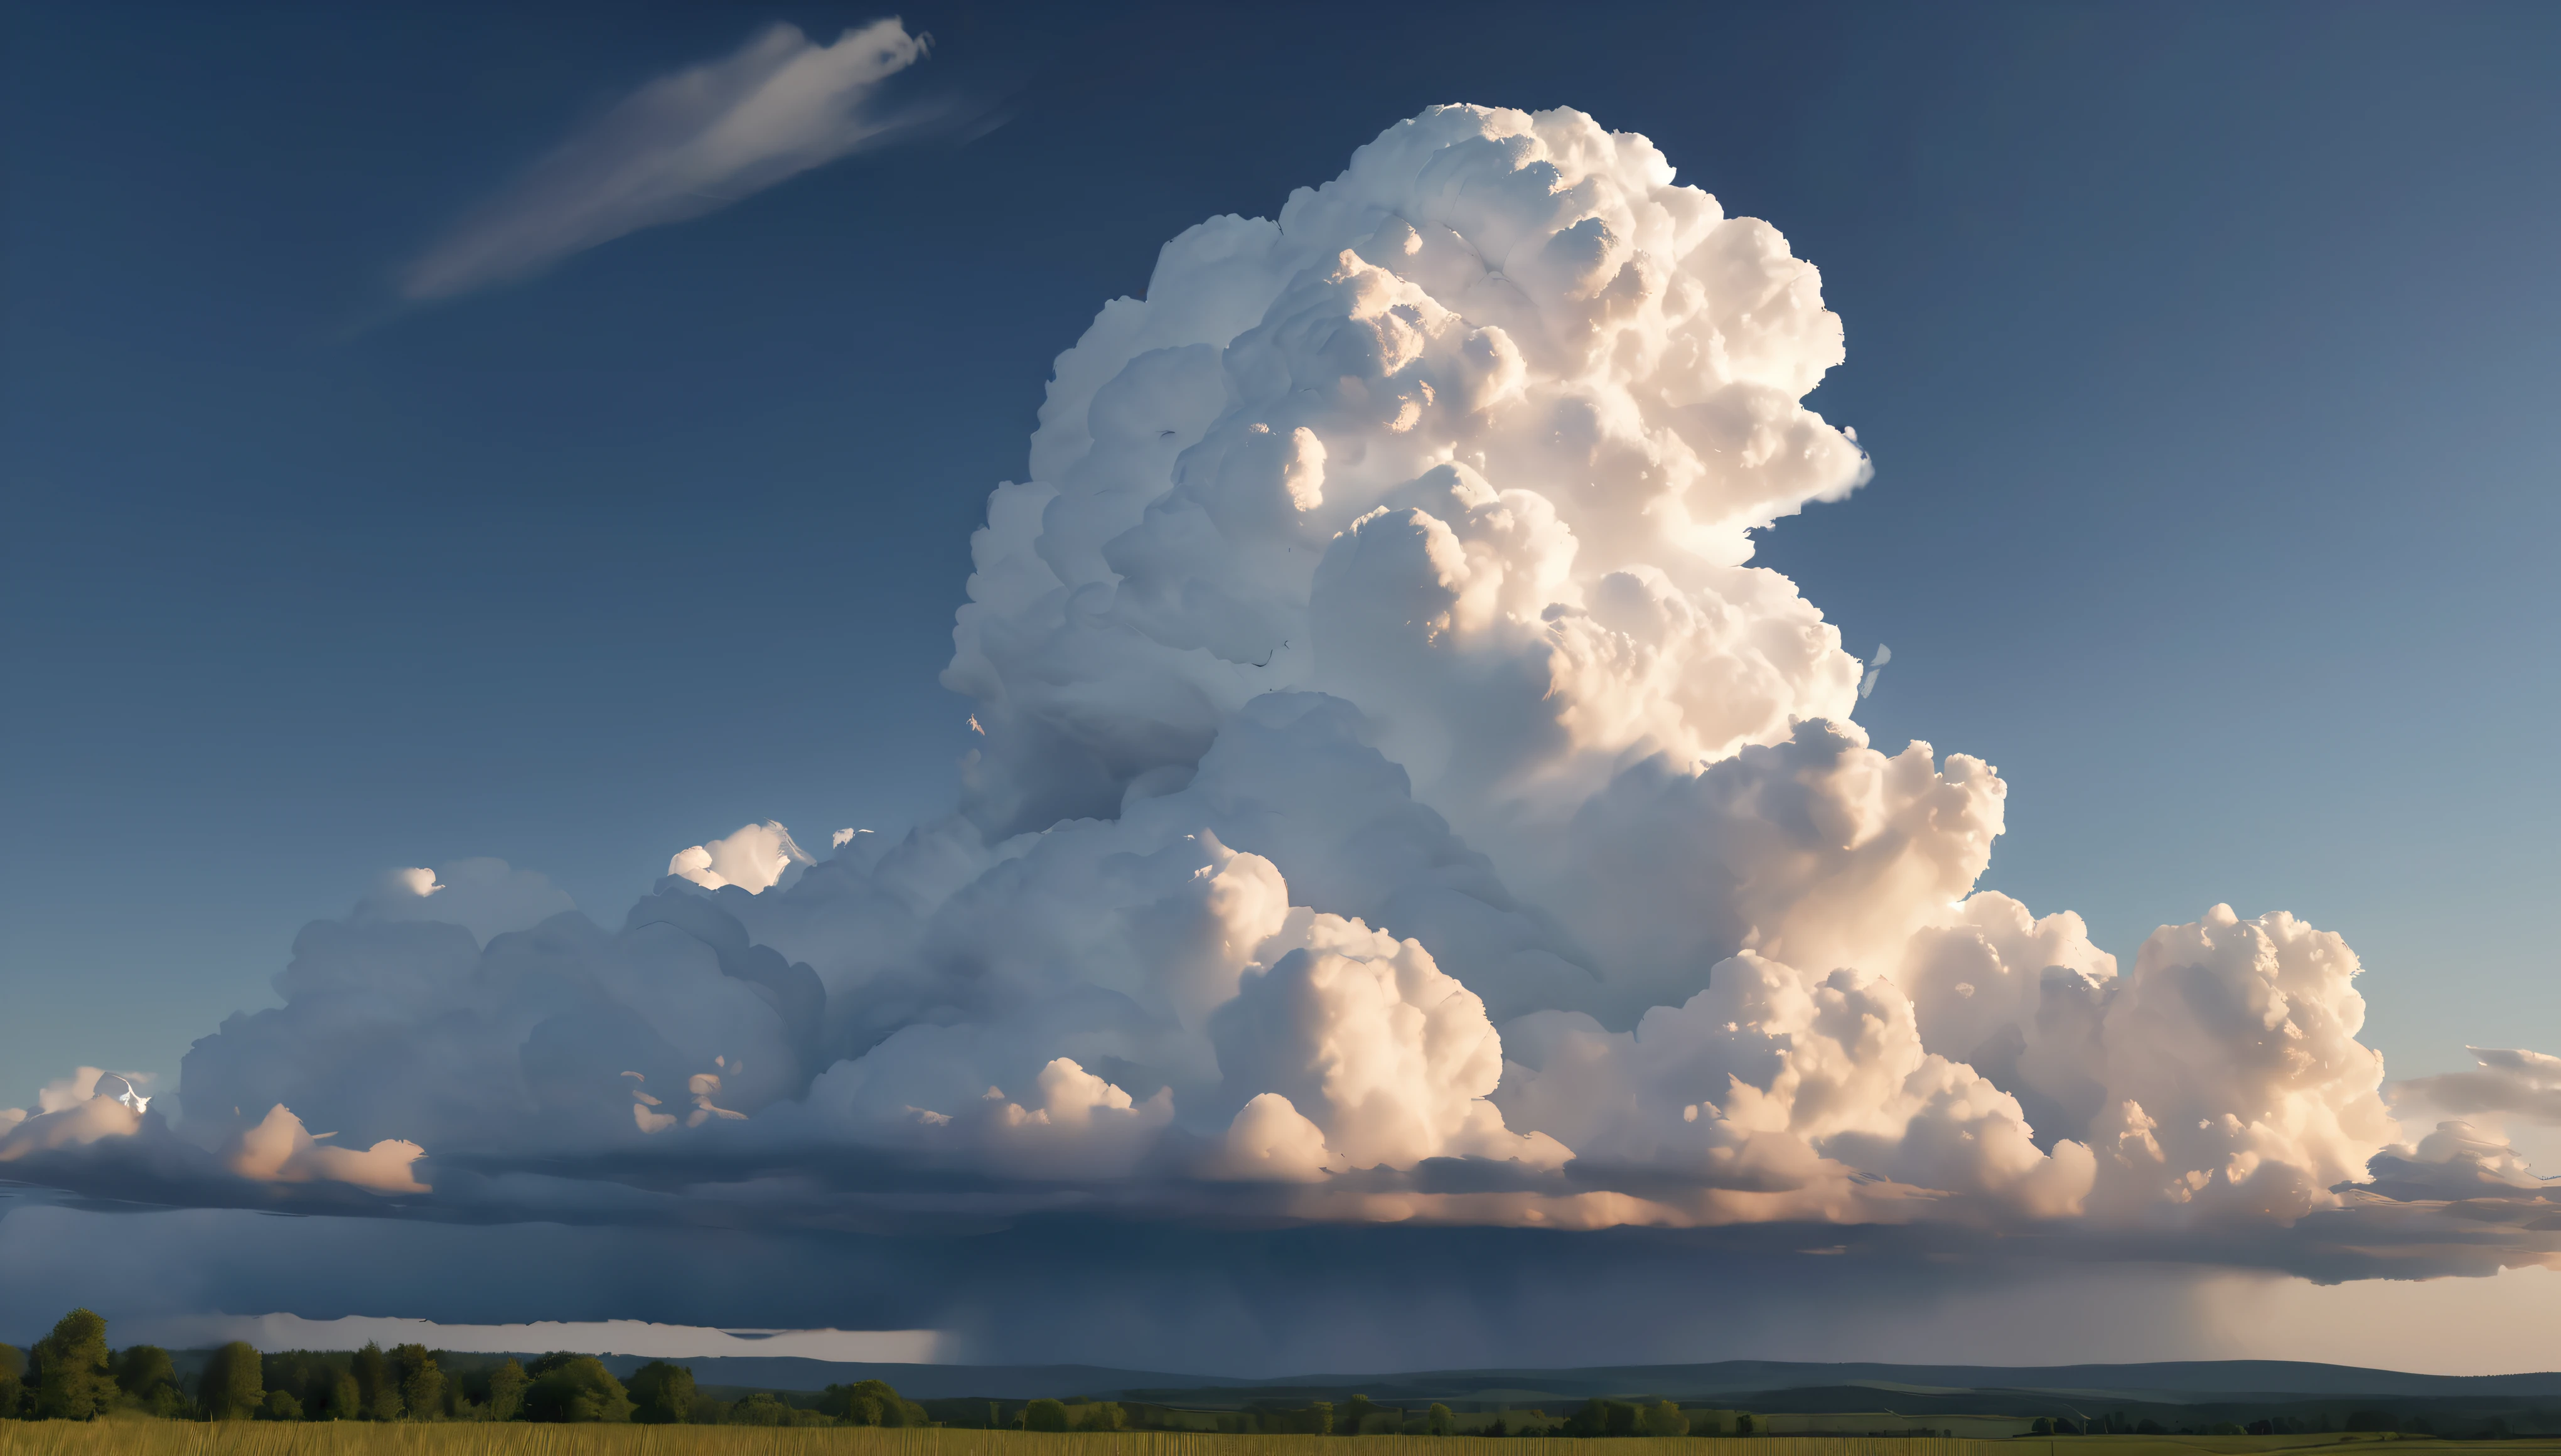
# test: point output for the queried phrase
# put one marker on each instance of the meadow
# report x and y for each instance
(147, 1437)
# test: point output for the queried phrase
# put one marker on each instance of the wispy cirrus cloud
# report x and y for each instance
(687, 143)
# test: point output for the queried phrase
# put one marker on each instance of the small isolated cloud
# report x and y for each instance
(685, 145)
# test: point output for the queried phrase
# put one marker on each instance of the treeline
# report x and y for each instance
(1358, 1415)
(74, 1374)
(2118, 1423)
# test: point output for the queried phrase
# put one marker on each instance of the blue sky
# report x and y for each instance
(2204, 355)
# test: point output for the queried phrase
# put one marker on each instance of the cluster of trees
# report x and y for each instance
(72, 1374)
(1619, 1418)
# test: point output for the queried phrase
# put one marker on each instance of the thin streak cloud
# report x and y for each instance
(687, 143)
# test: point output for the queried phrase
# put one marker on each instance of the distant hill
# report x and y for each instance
(1731, 1382)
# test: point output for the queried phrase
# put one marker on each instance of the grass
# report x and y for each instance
(145, 1437)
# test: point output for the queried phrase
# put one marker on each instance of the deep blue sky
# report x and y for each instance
(2207, 354)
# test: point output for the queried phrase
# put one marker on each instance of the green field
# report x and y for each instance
(145, 1437)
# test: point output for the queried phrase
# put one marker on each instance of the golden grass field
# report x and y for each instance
(143, 1437)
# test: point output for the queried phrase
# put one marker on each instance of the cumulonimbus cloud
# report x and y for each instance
(682, 145)
(1399, 801)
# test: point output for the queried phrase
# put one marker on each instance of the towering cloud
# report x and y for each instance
(1401, 798)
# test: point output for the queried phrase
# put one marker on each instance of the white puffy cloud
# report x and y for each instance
(57, 1128)
(755, 858)
(2234, 1077)
(2458, 1161)
(1399, 797)
(682, 145)
(1471, 435)
(1362, 1036)
(74, 1111)
(1773, 1080)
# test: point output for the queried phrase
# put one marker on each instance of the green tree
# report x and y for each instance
(1045, 1416)
(73, 1380)
(507, 1390)
(662, 1394)
(280, 1406)
(1743, 1425)
(575, 1387)
(1355, 1413)
(346, 1397)
(143, 1369)
(13, 1379)
(1439, 1422)
(232, 1387)
(421, 1382)
(377, 1385)
(1663, 1418)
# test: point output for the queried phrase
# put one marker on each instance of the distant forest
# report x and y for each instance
(74, 1374)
